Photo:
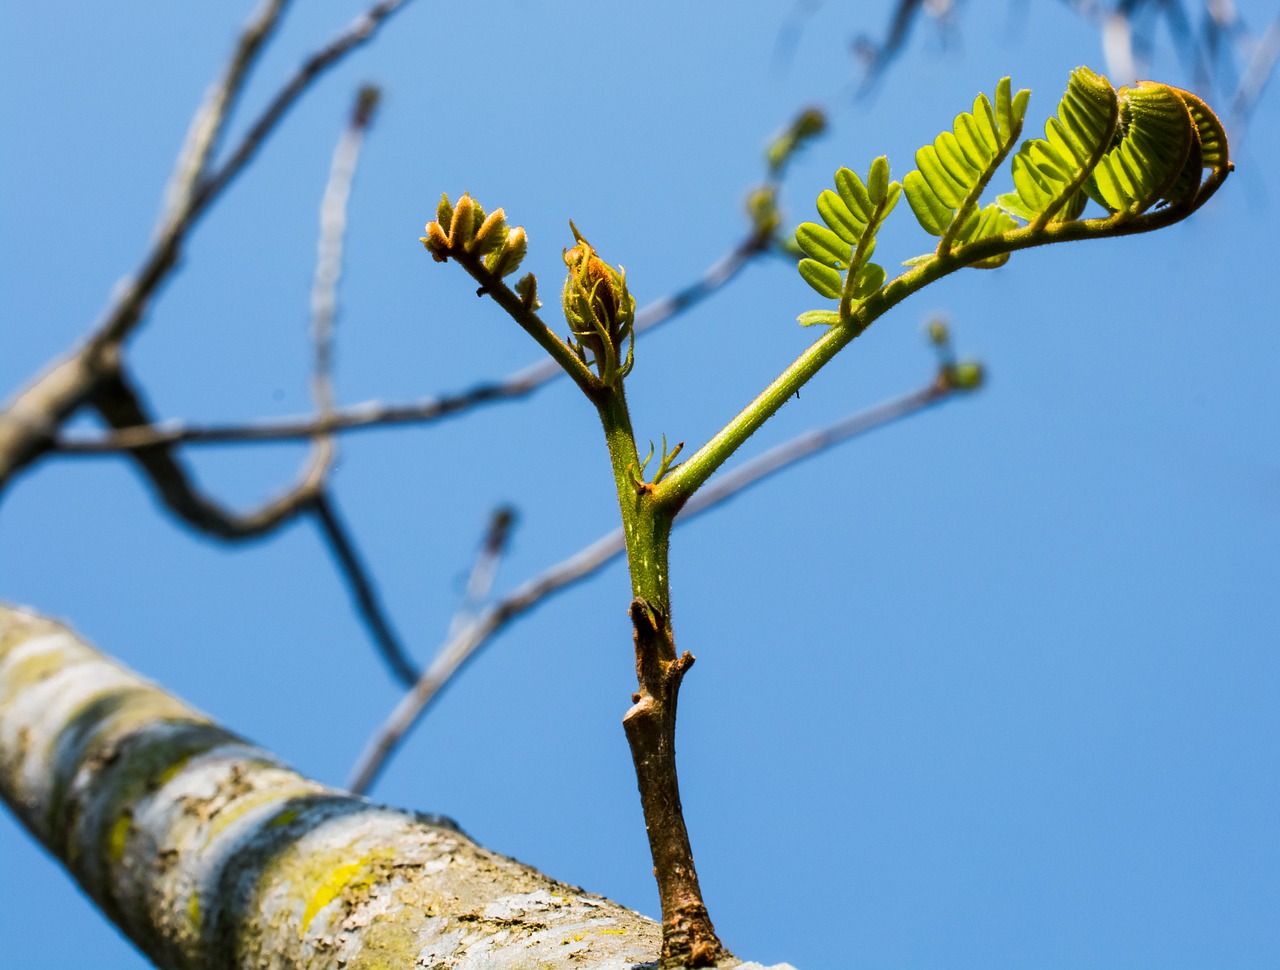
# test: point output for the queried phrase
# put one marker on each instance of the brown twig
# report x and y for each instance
(460, 649)
(688, 936)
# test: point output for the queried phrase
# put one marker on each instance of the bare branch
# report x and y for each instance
(1257, 72)
(324, 310)
(355, 35)
(210, 118)
(333, 229)
(120, 404)
(375, 616)
(134, 294)
(374, 414)
(460, 649)
(876, 57)
(485, 568)
(30, 418)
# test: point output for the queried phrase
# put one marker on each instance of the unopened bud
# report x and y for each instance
(491, 234)
(968, 375)
(597, 305)
(527, 290)
(437, 242)
(506, 259)
(444, 211)
(462, 226)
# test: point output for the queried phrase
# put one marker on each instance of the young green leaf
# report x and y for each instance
(825, 279)
(846, 224)
(953, 172)
(825, 246)
(853, 214)
(878, 180)
(869, 279)
(1211, 138)
(854, 194)
(1049, 172)
(813, 318)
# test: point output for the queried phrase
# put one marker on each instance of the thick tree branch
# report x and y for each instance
(208, 852)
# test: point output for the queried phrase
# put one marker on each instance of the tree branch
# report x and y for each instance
(30, 419)
(485, 568)
(209, 122)
(208, 852)
(120, 405)
(376, 619)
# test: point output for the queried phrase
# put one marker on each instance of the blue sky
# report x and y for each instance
(994, 687)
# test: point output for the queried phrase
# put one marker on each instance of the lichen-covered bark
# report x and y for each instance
(209, 853)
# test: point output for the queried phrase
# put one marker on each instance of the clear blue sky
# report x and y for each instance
(996, 687)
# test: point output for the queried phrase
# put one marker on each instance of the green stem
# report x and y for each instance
(679, 486)
(533, 325)
(646, 524)
(688, 936)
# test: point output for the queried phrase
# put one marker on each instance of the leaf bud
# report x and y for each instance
(806, 126)
(491, 234)
(527, 290)
(444, 211)
(507, 257)
(597, 305)
(967, 375)
(437, 242)
(462, 226)
(762, 207)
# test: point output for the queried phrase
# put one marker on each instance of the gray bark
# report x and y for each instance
(209, 853)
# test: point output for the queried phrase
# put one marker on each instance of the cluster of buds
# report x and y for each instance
(599, 309)
(463, 229)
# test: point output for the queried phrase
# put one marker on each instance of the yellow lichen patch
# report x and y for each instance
(612, 932)
(31, 670)
(349, 878)
(284, 818)
(171, 772)
(193, 912)
(329, 890)
(119, 836)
